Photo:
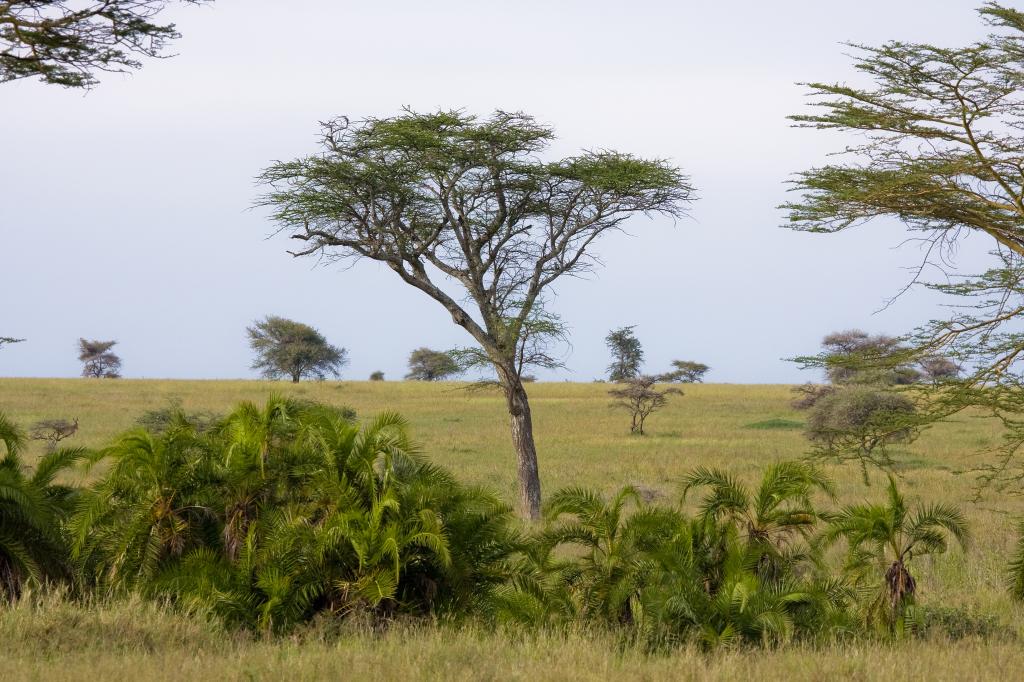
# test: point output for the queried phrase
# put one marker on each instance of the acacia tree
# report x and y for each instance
(4, 340)
(285, 348)
(941, 153)
(627, 354)
(431, 365)
(686, 372)
(98, 361)
(66, 43)
(449, 198)
(640, 397)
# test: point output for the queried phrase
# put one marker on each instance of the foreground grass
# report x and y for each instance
(134, 640)
(581, 442)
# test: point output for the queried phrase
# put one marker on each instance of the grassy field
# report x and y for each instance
(581, 440)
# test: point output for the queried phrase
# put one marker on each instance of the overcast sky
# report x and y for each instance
(124, 212)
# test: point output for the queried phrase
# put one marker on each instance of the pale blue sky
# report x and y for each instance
(124, 211)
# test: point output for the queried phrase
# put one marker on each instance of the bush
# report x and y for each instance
(285, 510)
(858, 422)
(163, 418)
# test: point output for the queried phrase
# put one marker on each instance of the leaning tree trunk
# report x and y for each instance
(522, 440)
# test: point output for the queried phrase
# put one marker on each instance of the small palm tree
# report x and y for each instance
(771, 517)
(32, 512)
(617, 536)
(150, 506)
(883, 539)
(317, 513)
(1015, 574)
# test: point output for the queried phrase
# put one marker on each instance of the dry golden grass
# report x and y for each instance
(582, 441)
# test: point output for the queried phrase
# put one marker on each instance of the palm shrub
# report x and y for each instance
(615, 538)
(1015, 573)
(740, 571)
(775, 519)
(289, 509)
(33, 508)
(153, 504)
(710, 591)
(882, 540)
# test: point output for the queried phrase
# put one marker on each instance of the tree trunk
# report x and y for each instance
(522, 440)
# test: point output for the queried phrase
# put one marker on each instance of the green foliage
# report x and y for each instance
(65, 43)
(741, 571)
(285, 348)
(283, 511)
(939, 151)
(1015, 572)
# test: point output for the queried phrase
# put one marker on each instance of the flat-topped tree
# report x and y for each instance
(98, 360)
(4, 340)
(447, 198)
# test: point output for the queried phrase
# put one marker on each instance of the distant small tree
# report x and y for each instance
(640, 398)
(807, 395)
(627, 354)
(4, 340)
(431, 365)
(64, 42)
(98, 361)
(856, 357)
(685, 372)
(858, 422)
(938, 368)
(285, 348)
(377, 376)
(53, 431)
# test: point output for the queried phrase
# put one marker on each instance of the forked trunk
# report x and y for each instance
(522, 440)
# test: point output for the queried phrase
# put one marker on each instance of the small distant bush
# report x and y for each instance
(775, 424)
(858, 422)
(955, 623)
(377, 376)
(161, 419)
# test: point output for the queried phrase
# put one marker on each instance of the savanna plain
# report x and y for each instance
(581, 441)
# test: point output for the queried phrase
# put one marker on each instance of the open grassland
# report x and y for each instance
(581, 441)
